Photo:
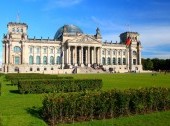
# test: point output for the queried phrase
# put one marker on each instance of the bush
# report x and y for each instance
(103, 104)
(58, 85)
(0, 88)
(22, 76)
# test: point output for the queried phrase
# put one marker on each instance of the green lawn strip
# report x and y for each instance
(14, 107)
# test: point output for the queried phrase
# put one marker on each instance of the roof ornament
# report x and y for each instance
(18, 18)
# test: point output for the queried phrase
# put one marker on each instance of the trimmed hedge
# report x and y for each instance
(58, 85)
(103, 104)
(0, 88)
(10, 77)
(15, 81)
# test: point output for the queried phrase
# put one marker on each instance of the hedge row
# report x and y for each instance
(58, 85)
(31, 76)
(16, 80)
(104, 104)
(0, 88)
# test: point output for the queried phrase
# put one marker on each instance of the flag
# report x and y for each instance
(128, 41)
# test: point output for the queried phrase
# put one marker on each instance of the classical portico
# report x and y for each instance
(82, 55)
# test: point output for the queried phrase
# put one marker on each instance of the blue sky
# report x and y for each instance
(151, 18)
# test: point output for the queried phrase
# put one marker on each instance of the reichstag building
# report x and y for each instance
(70, 51)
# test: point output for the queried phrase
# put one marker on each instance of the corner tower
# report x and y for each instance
(134, 49)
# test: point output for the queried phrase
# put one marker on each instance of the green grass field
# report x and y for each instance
(16, 109)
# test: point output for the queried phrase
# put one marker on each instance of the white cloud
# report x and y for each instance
(154, 35)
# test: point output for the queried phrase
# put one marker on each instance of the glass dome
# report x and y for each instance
(69, 29)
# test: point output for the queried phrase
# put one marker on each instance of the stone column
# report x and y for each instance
(3, 54)
(88, 53)
(94, 54)
(139, 58)
(121, 57)
(116, 57)
(68, 55)
(7, 53)
(86, 56)
(75, 56)
(100, 54)
(127, 58)
(106, 56)
(34, 57)
(82, 48)
(111, 56)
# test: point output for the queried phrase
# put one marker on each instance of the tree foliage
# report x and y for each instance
(156, 64)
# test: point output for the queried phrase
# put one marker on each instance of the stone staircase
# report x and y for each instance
(89, 70)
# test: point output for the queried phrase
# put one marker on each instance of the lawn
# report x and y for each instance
(16, 109)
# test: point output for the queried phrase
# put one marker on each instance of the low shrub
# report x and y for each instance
(82, 106)
(13, 77)
(58, 85)
(0, 88)
(15, 81)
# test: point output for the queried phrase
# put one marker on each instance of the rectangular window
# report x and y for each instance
(108, 52)
(134, 61)
(17, 60)
(38, 50)
(31, 50)
(124, 61)
(103, 52)
(119, 61)
(51, 51)
(58, 50)
(114, 53)
(114, 61)
(45, 50)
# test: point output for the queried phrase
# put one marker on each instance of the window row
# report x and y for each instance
(17, 30)
(114, 61)
(44, 50)
(45, 60)
(114, 52)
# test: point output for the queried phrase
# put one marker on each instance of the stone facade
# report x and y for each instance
(69, 50)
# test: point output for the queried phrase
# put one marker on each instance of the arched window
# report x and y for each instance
(31, 49)
(38, 50)
(45, 60)
(103, 61)
(119, 61)
(134, 53)
(58, 50)
(17, 60)
(30, 59)
(108, 52)
(51, 51)
(114, 61)
(124, 61)
(38, 60)
(51, 60)
(58, 60)
(108, 61)
(114, 52)
(17, 49)
(13, 29)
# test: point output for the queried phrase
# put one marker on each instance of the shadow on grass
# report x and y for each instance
(12, 84)
(35, 111)
(14, 91)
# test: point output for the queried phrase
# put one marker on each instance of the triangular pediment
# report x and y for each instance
(85, 39)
